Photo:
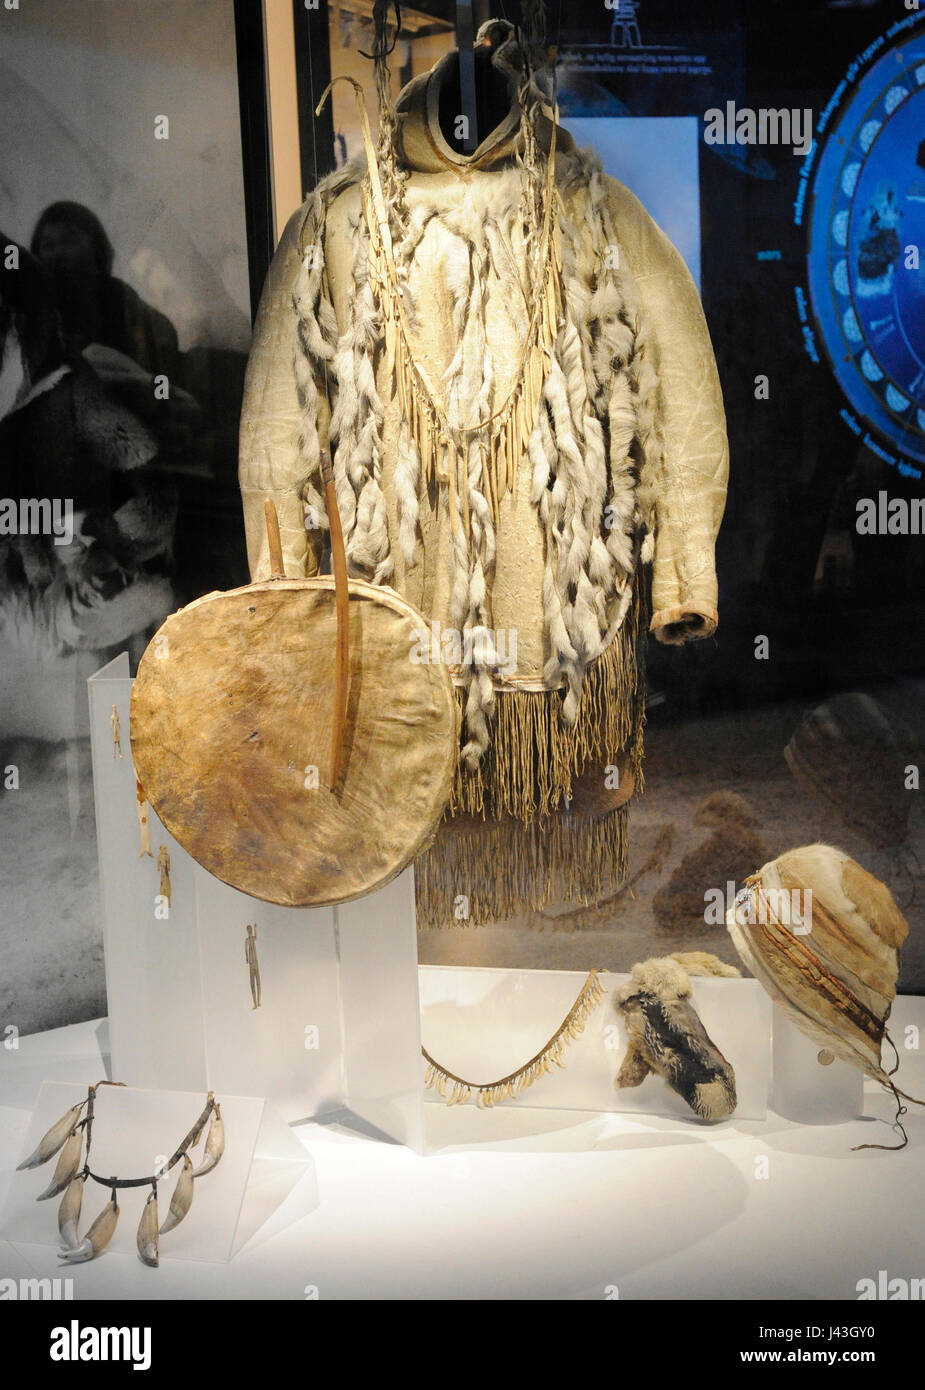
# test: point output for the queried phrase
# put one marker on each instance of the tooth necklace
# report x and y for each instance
(68, 1134)
(489, 1093)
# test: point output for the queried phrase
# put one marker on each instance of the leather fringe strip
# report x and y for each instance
(490, 1093)
(533, 757)
(492, 871)
(508, 844)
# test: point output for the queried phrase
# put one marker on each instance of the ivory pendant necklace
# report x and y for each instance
(68, 1138)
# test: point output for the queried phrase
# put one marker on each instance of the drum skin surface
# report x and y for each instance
(231, 727)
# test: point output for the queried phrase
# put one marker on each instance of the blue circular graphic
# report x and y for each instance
(867, 247)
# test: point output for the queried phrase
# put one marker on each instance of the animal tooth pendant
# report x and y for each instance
(182, 1198)
(146, 1240)
(144, 829)
(69, 1213)
(50, 1143)
(215, 1144)
(163, 864)
(97, 1238)
(66, 1167)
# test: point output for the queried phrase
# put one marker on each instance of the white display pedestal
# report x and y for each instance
(803, 1089)
(132, 1129)
(483, 1023)
(338, 1025)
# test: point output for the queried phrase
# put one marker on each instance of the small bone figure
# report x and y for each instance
(116, 733)
(250, 955)
(163, 863)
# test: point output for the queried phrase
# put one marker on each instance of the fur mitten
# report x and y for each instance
(666, 1035)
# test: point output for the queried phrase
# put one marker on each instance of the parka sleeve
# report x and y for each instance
(691, 468)
(284, 415)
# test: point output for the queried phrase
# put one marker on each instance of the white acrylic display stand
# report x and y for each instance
(482, 1023)
(803, 1089)
(132, 1129)
(338, 1025)
(344, 1004)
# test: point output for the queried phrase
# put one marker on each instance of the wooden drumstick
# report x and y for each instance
(342, 600)
(277, 568)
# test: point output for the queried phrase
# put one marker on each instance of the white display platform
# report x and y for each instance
(546, 1205)
(339, 1022)
(133, 1130)
(484, 1023)
(803, 1089)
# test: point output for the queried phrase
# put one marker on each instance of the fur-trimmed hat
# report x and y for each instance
(823, 936)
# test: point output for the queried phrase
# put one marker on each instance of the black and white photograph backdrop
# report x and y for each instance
(125, 322)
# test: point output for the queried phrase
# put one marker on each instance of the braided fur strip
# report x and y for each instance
(356, 426)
